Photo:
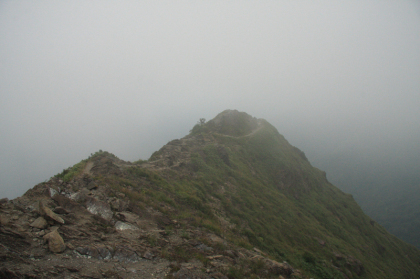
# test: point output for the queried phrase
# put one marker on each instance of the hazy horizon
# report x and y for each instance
(335, 78)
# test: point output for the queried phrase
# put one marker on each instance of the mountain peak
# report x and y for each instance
(231, 123)
(234, 123)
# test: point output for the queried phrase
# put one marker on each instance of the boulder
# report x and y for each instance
(125, 254)
(121, 226)
(39, 223)
(49, 214)
(55, 242)
(99, 208)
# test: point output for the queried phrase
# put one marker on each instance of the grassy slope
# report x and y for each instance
(388, 192)
(289, 205)
(273, 199)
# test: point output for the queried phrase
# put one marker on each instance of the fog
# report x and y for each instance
(339, 79)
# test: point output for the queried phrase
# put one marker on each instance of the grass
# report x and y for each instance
(70, 173)
(274, 200)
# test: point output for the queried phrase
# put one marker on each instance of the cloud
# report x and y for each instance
(78, 76)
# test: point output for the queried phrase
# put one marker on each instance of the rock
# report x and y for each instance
(6, 273)
(101, 252)
(80, 196)
(53, 192)
(204, 248)
(4, 219)
(55, 242)
(72, 269)
(296, 273)
(89, 272)
(4, 200)
(12, 233)
(60, 210)
(230, 254)
(39, 223)
(68, 204)
(92, 185)
(215, 239)
(279, 268)
(49, 214)
(148, 255)
(112, 274)
(99, 208)
(40, 233)
(104, 252)
(128, 217)
(124, 226)
(125, 254)
(258, 251)
(118, 204)
(88, 251)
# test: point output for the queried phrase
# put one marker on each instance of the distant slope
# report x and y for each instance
(387, 190)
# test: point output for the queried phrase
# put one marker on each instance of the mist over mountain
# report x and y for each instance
(337, 79)
(386, 187)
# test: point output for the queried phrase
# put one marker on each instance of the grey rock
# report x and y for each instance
(125, 254)
(121, 226)
(148, 255)
(99, 208)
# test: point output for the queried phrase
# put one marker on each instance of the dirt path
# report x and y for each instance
(88, 167)
(244, 136)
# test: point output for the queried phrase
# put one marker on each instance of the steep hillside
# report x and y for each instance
(233, 199)
(388, 192)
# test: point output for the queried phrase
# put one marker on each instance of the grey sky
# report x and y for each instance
(129, 76)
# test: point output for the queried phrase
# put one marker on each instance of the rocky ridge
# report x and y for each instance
(233, 199)
(80, 229)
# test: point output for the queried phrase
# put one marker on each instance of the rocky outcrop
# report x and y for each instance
(90, 230)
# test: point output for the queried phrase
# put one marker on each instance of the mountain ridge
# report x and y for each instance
(234, 187)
